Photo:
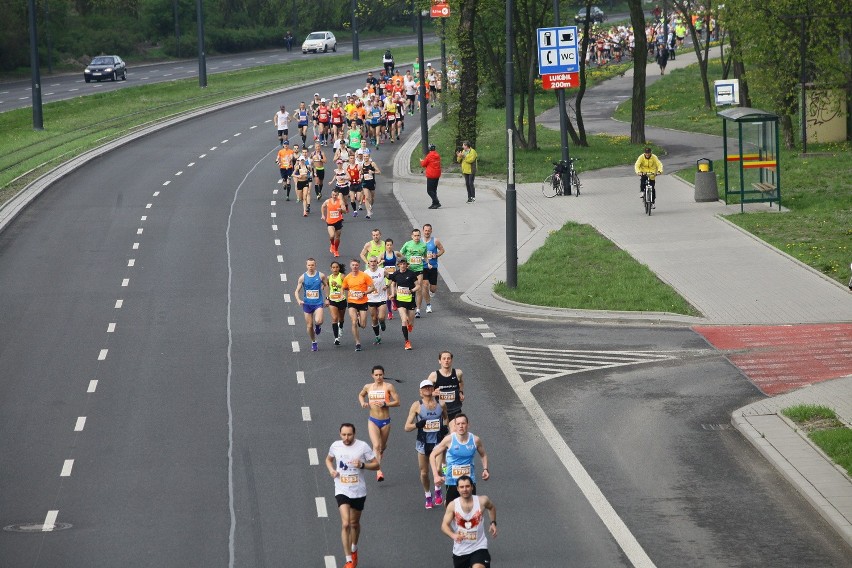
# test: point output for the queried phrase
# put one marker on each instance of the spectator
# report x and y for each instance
(431, 163)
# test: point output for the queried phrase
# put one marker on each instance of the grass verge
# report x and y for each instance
(76, 125)
(611, 278)
(825, 430)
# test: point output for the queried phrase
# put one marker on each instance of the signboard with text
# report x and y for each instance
(560, 81)
(440, 9)
(557, 50)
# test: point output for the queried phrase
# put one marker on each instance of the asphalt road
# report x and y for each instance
(18, 94)
(146, 334)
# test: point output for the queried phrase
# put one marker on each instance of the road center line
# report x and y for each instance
(625, 539)
(49, 521)
(103, 354)
(66, 468)
(111, 328)
(300, 377)
(313, 457)
(80, 424)
(322, 512)
(118, 304)
(93, 385)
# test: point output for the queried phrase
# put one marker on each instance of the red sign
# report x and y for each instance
(440, 10)
(560, 80)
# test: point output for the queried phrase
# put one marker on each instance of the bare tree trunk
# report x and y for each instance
(739, 72)
(686, 7)
(640, 61)
(469, 74)
(579, 138)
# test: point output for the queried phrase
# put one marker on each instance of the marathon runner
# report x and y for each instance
(460, 446)
(332, 213)
(379, 396)
(377, 300)
(449, 383)
(415, 252)
(314, 285)
(405, 285)
(428, 416)
(336, 300)
(465, 524)
(358, 285)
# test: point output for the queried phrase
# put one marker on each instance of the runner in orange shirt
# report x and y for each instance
(358, 284)
(332, 213)
(285, 160)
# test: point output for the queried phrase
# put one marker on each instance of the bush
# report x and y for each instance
(225, 40)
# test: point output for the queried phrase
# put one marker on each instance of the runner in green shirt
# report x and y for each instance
(414, 251)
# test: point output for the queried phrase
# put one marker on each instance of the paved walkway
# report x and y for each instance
(728, 275)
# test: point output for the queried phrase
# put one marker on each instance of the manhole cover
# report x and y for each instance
(36, 527)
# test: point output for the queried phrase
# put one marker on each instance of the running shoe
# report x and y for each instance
(355, 213)
(367, 217)
(429, 502)
(314, 346)
(331, 249)
(355, 557)
(378, 339)
(298, 200)
(309, 207)
(390, 315)
(336, 253)
(439, 499)
(337, 341)
(428, 308)
(410, 327)
(408, 345)
(349, 565)
(317, 329)
(393, 304)
(380, 476)
(357, 347)
(417, 313)
(305, 214)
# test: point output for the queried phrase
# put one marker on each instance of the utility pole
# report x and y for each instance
(202, 59)
(35, 74)
(511, 195)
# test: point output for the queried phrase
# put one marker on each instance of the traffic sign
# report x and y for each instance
(557, 50)
(560, 81)
(440, 10)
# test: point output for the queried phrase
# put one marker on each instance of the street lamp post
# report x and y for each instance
(424, 117)
(35, 74)
(202, 61)
(511, 195)
(355, 53)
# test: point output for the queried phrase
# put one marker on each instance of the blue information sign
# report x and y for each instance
(557, 50)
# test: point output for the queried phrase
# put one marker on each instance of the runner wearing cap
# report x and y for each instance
(427, 415)
(379, 396)
(281, 120)
(354, 171)
(405, 284)
(336, 119)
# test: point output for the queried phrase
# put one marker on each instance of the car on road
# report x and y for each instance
(106, 67)
(596, 15)
(319, 41)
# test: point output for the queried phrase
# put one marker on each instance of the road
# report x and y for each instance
(18, 94)
(150, 335)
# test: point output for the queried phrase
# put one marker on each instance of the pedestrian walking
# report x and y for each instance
(346, 459)
(467, 158)
(431, 163)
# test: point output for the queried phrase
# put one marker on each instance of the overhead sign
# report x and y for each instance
(440, 9)
(557, 50)
(560, 81)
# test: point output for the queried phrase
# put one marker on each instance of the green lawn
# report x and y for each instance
(825, 430)
(74, 126)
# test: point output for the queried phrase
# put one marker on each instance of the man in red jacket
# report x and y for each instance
(431, 162)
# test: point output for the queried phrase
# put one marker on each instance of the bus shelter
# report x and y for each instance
(752, 171)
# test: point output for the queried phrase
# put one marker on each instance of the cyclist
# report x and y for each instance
(647, 167)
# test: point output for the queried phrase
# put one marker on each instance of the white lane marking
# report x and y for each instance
(80, 424)
(476, 320)
(103, 354)
(274, 192)
(66, 468)
(313, 457)
(180, 173)
(291, 320)
(625, 539)
(72, 90)
(213, 148)
(139, 231)
(25, 98)
(488, 334)
(300, 377)
(50, 521)
(237, 134)
(167, 74)
(125, 282)
(306, 413)
(135, 246)
(143, 218)
(55, 84)
(283, 277)
(330, 562)
(322, 512)
(111, 328)
(48, 94)
(118, 304)
(273, 214)
(225, 141)
(278, 242)
(93, 385)
(253, 127)
(149, 205)
(481, 326)
(131, 262)
(155, 194)
(274, 227)
(295, 345)
(280, 258)
(231, 506)
(167, 182)
(287, 298)
(272, 203)
(265, 121)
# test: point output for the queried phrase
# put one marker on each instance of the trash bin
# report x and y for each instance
(706, 187)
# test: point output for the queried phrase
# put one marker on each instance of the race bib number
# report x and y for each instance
(448, 396)
(390, 269)
(404, 291)
(459, 470)
(468, 534)
(432, 425)
(312, 294)
(336, 295)
(349, 479)
(416, 259)
(368, 176)
(334, 214)
(376, 396)
(355, 294)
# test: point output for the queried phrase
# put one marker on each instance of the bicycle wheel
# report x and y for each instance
(548, 189)
(648, 200)
(575, 181)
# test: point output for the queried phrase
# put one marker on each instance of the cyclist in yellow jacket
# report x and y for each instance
(648, 167)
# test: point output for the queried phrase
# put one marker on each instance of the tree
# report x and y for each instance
(640, 62)
(468, 73)
(701, 45)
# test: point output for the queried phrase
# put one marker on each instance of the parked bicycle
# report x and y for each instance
(564, 178)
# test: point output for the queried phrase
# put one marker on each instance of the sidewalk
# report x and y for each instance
(730, 276)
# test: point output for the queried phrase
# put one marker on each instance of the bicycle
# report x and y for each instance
(648, 194)
(554, 184)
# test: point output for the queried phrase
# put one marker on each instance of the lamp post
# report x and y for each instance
(560, 97)
(511, 195)
(424, 117)
(355, 54)
(202, 61)
(35, 75)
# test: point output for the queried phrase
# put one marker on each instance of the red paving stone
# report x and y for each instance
(778, 359)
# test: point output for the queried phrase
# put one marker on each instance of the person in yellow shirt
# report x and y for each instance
(467, 158)
(648, 167)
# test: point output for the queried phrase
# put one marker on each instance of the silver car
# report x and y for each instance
(319, 41)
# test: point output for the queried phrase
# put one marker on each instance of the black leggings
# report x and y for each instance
(432, 190)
